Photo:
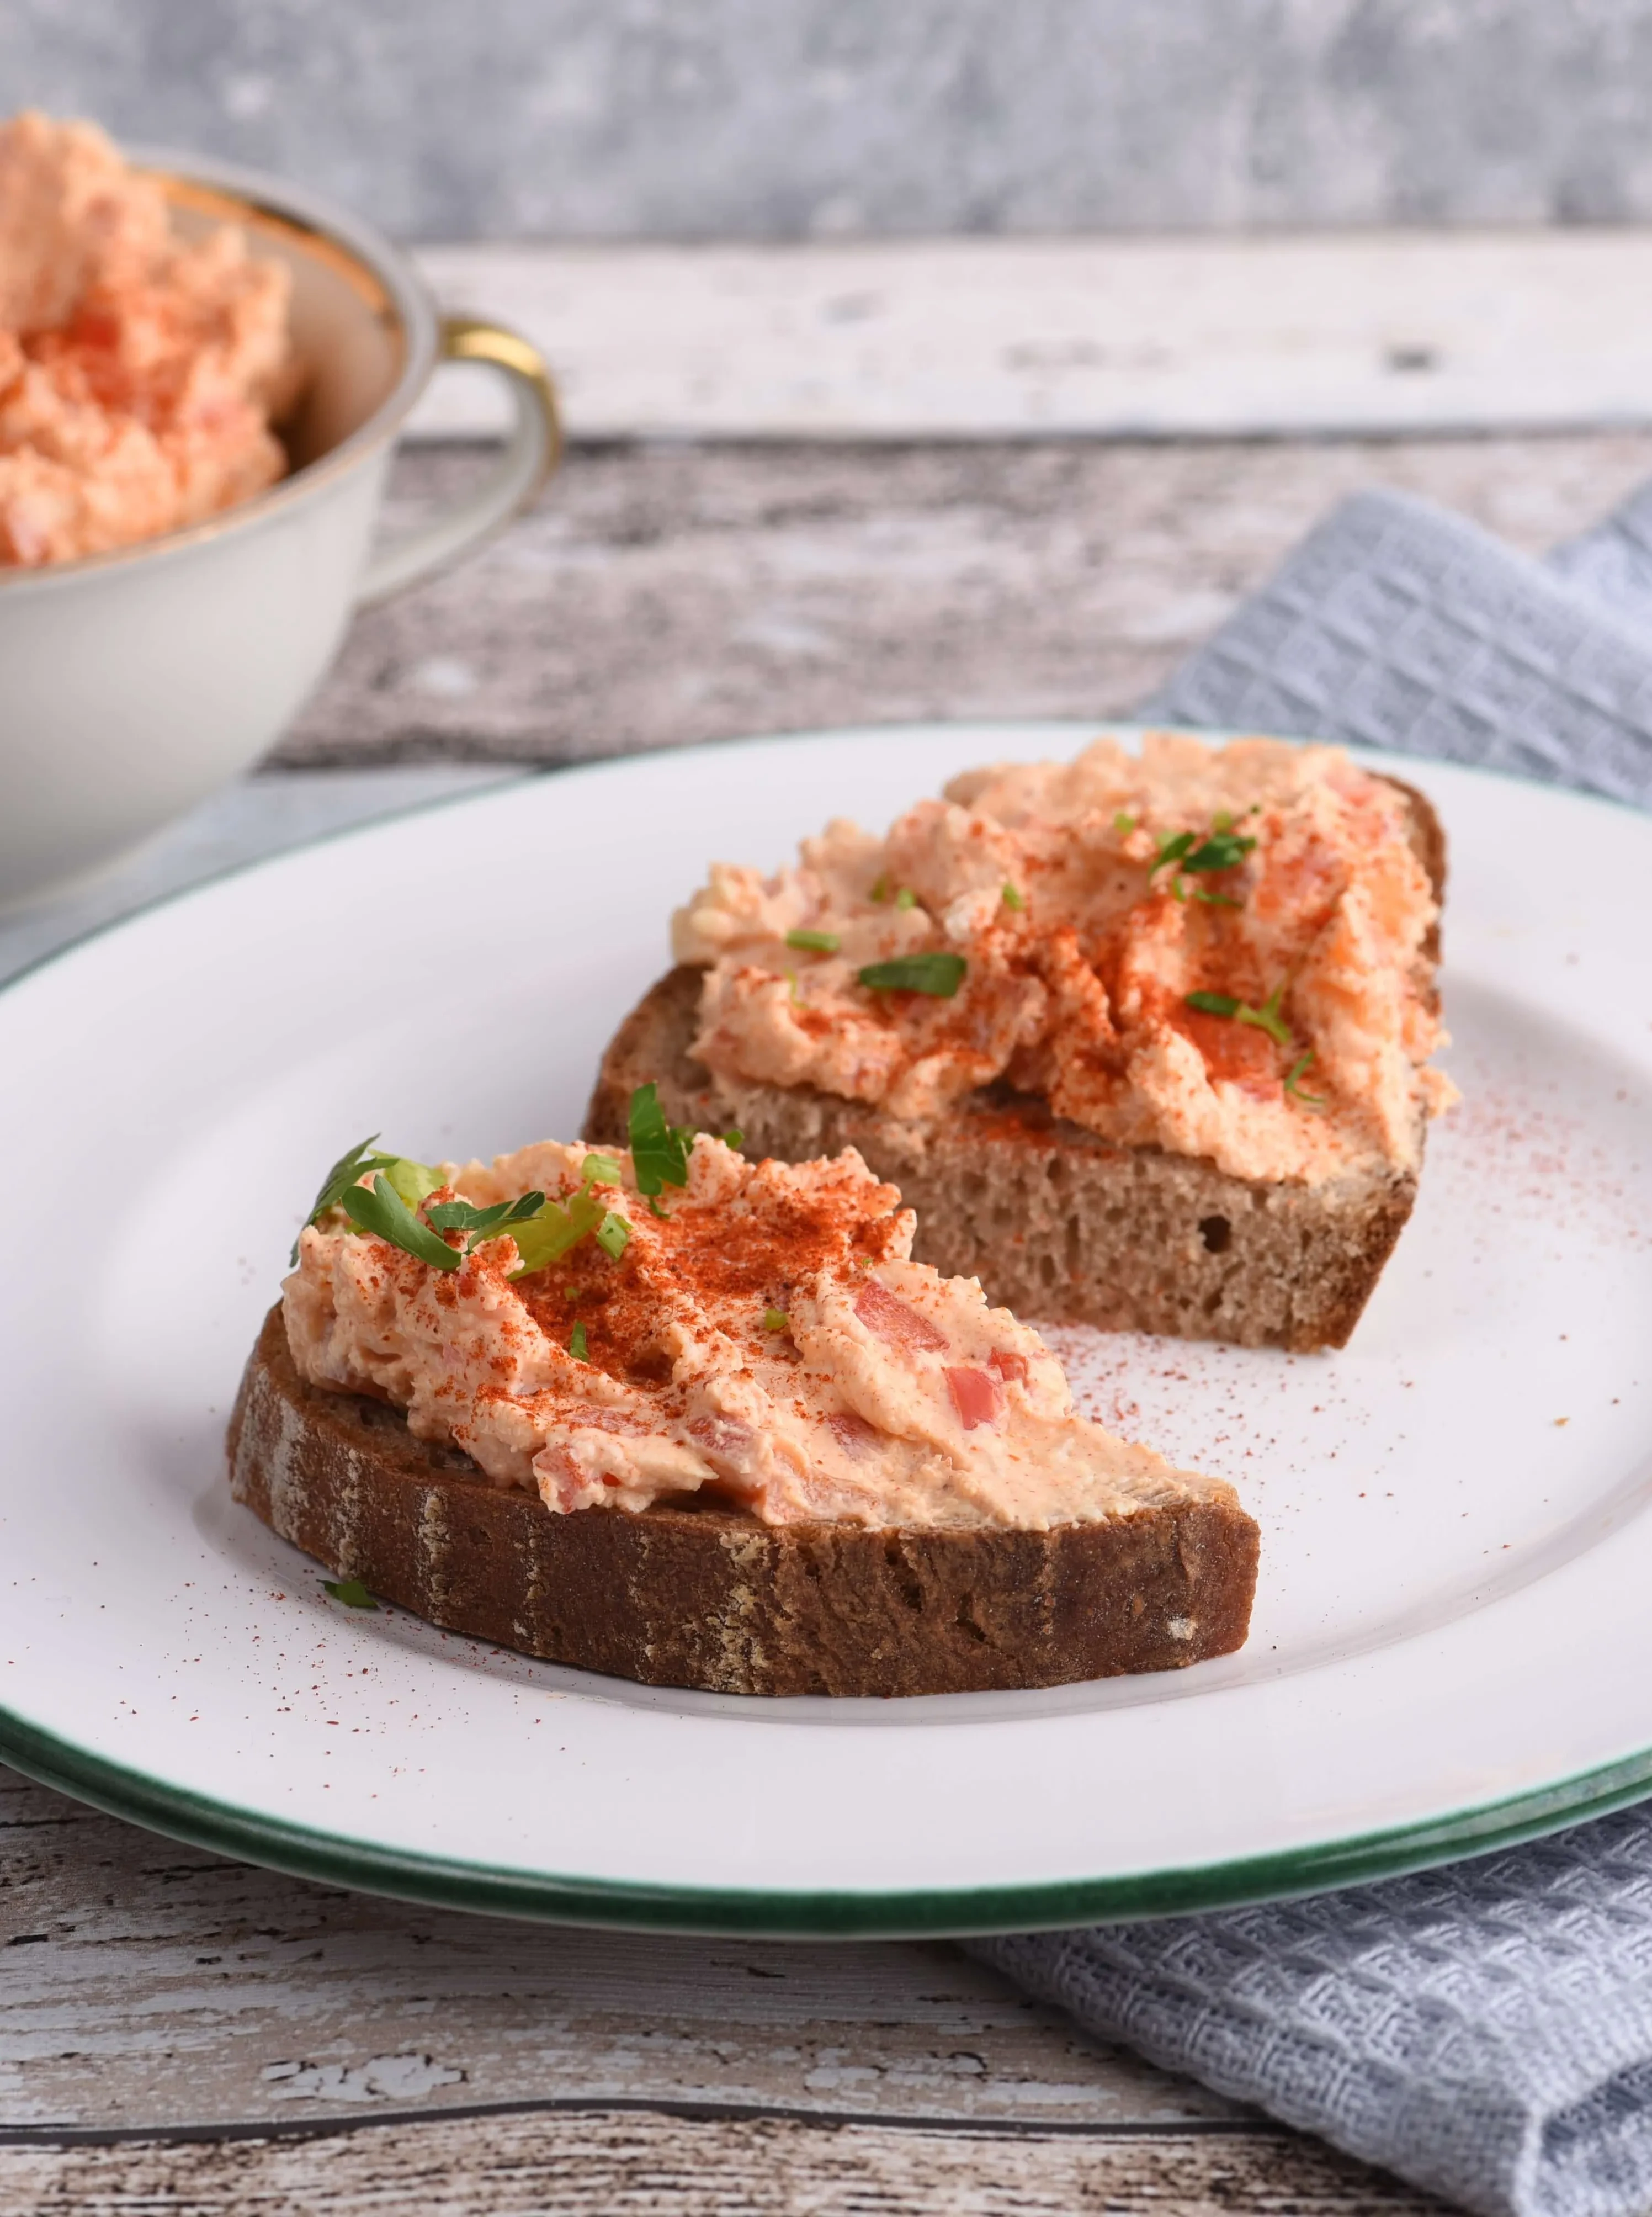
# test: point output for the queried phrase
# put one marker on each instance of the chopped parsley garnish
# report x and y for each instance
(1172, 851)
(776, 1320)
(1215, 901)
(659, 1151)
(878, 890)
(577, 1345)
(906, 897)
(654, 1208)
(613, 1235)
(600, 1169)
(380, 1209)
(938, 973)
(343, 1174)
(1294, 1088)
(796, 995)
(734, 1138)
(1124, 824)
(1013, 898)
(350, 1591)
(1223, 850)
(814, 942)
(1267, 1018)
(484, 1223)
(1223, 820)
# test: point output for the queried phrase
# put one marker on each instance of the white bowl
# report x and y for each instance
(133, 685)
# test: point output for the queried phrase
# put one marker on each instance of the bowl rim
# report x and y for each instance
(379, 272)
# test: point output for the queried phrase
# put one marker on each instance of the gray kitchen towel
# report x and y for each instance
(1397, 625)
(1484, 2029)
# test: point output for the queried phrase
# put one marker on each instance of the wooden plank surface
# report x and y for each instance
(146, 1984)
(648, 2164)
(662, 594)
(1120, 337)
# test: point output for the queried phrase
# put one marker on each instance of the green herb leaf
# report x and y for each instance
(379, 1209)
(1124, 824)
(1222, 821)
(1267, 1018)
(655, 1209)
(546, 1237)
(1292, 1086)
(734, 1138)
(613, 1235)
(776, 1320)
(578, 1347)
(1223, 850)
(1013, 898)
(906, 897)
(1172, 851)
(878, 890)
(814, 942)
(937, 973)
(483, 1224)
(659, 1151)
(350, 1591)
(600, 1169)
(1215, 901)
(344, 1174)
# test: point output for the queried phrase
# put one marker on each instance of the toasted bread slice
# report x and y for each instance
(705, 1595)
(1056, 1223)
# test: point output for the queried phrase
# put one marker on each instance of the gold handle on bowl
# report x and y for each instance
(530, 455)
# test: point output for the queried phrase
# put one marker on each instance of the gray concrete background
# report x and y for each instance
(783, 118)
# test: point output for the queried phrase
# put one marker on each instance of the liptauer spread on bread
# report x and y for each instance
(847, 1473)
(1145, 1038)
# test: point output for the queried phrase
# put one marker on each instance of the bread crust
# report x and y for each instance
(1057, 1223)
(708, 1597)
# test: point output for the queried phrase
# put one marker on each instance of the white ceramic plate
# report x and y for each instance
(1452, 1642)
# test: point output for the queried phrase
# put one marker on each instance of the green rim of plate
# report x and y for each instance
(1322, 1867)
(824, 1915)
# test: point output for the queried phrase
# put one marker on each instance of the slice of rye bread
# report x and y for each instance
(700, 1594)
(1056, 1223)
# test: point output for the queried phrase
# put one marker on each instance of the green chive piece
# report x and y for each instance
(878, 890)
(350, 1591)
(1215, 901)
(578, 1347)
(1124, 824)
(1222, 821)
(1012, 898)
(906, 897)
(1292, 1087)
(796, 991)
(600, 1169)
(1215, 1005)
(814, 942)
(659, 1151)
(776, 1320)
(413, 1182)
(613, 1235)
(937, 973)
(379, 1209)
(548, 1235)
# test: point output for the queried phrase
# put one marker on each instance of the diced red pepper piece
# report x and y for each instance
(895, 1321)
(1010, 1366)
(977, 1396)
(853, 1433)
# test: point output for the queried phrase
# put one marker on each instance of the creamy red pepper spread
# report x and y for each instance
(766, 1340)
(1220, 951)
(138, 370)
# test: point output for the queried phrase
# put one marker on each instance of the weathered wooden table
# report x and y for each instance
(179, 2033)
